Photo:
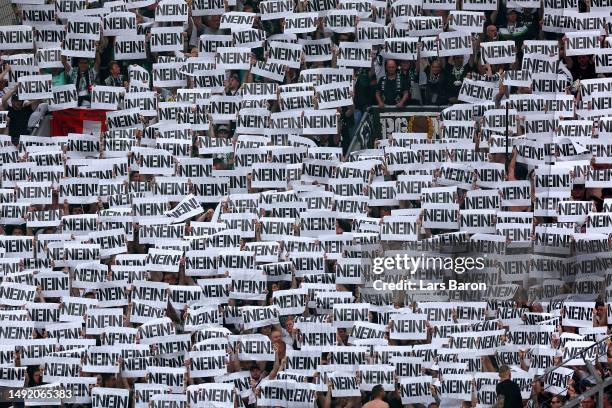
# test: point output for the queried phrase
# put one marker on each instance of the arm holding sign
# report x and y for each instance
(334, 60)
(474, 394)
(327, 402)
(278, 363)
(522, 355)
(122, 381)
(487, 364)
(98, 60)
(39, 296)
(234, 362)
(5, 71)
(66, 64)
(379, 99)
(8, 96)
(434, 393)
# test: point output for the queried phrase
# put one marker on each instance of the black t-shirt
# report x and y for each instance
(18, 124)
(454, 79)
(583, 73)
(511, 392)
(364, 97)
(389, 88)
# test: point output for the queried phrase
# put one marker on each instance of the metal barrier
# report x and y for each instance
(600, 385)
(598, 389)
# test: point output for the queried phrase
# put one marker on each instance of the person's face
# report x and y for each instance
(577, 191)
(492, 31)
(18, 232)
(555, 402)
(391, 67)
(170, 278)
(512, 17)
(17, 104)
(275, 337)
(600, 310)
(111, 382)
(435, 67)
(289, 325)
(255, 373)
(214, 22)
(83, 65)
(405, 65)
(458, 60)
(36, 376)
(115, 70)
(583, 60)
(234, 82)
(342, 334)
(588, 403)
(537, 387)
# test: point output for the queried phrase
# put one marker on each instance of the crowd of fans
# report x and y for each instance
(346, 187)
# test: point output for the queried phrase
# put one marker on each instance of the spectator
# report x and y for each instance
(508, 392)
(363, 97)
(491, 33)
(19, 113)
(116, 77)
(515, 28)
(392, 89)
(378, 398)
(587, 402)
(205, 25)
(83, 76)
(582, 67)
(456, 71)
(434, 88)
(409, 72)
(378, 63)
(600, 314)
(233, 85)
(556, 401)
(223, 131)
